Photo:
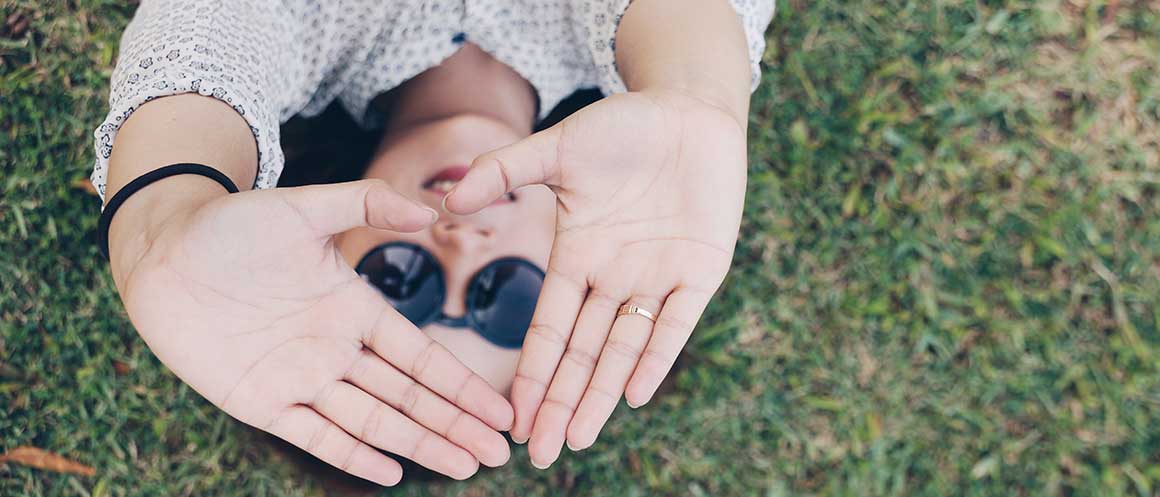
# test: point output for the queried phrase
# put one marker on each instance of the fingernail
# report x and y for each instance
(537, 465)
(444, 202)
(434, 213)
(520, 441)
(634, 406)
(574, 448)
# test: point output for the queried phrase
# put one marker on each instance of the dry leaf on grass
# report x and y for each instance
(42, 459)
(122, 368)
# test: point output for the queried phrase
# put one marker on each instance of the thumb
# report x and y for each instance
(335, 208)
(532, 160)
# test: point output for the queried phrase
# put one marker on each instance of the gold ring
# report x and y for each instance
(627, 309)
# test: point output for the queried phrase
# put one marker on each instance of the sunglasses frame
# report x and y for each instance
(436, 315)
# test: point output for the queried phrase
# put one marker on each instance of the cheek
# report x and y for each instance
(543, 231)
(494, 364)
(354, 244)
(547, 235)
(347, 245)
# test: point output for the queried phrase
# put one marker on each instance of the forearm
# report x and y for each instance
(181, 128)
(694, 46)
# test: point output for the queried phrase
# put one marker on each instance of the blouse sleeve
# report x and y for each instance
(599, 20)
(237, 51)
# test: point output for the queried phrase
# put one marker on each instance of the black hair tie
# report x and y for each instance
(146, 180)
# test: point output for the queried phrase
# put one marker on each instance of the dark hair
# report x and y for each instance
(331, 148)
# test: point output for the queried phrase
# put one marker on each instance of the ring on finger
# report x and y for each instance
(627, 309)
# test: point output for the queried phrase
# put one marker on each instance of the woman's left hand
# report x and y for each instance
(650, 187)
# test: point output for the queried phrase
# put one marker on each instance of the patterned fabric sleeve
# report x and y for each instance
(599, 20)
(237, 51)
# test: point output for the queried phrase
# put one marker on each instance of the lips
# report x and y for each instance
(446, 179)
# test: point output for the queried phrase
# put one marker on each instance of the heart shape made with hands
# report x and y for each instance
(247, 299)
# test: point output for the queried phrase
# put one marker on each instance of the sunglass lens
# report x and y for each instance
(502, 298)
(408, 277)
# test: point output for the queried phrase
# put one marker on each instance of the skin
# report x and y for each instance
(420, 141)
(251, 299)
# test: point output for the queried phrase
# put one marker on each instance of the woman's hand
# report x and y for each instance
(247, 300)
(650, 187)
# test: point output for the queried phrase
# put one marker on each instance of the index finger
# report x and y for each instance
(410, 350)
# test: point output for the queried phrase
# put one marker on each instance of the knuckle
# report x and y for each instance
(420, 441)
(371, 336)
(548, 333)
(460, 417)
(604, 391)
(423, 360)
(291, 204)
(410, 398)
(623, 349)
(318, 437)
(674, 325)
(462, 388)
(503, 169)
(604, 299)
(349, 457)
(322, 398)
(660, 361)
(274, 424)
(541, 384)
(577, 284)
(565, 404)
(372, 424)
(359, 367)
(581, 358)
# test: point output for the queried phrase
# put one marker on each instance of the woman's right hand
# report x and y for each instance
(247, 300)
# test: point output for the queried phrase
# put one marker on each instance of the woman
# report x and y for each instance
(630, 207)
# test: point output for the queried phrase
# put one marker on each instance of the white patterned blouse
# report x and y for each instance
(273, 59)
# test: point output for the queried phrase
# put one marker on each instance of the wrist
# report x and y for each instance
(149, 212)
(707, 94)
(696, 47)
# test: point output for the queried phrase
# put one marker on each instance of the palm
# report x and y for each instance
(649, 195)
(652, 192)
(238, 310)
(247, 300)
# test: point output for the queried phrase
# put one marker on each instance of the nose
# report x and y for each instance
(460, 243)
(462, 235)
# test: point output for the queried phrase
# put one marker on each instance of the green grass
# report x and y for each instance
(947, 283)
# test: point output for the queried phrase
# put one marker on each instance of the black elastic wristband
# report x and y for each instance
(146, 180)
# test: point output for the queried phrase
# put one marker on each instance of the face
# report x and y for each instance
(423, 163)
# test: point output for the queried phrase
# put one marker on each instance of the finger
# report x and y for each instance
(309, 431)
(333, 209)
(619, 357)
(529, 161)
(377, 424)
(411, 351)
(551, 326)
(571, 377)
(372, 374)
(674, 325)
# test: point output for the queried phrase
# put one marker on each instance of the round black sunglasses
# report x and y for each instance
(500, 297)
